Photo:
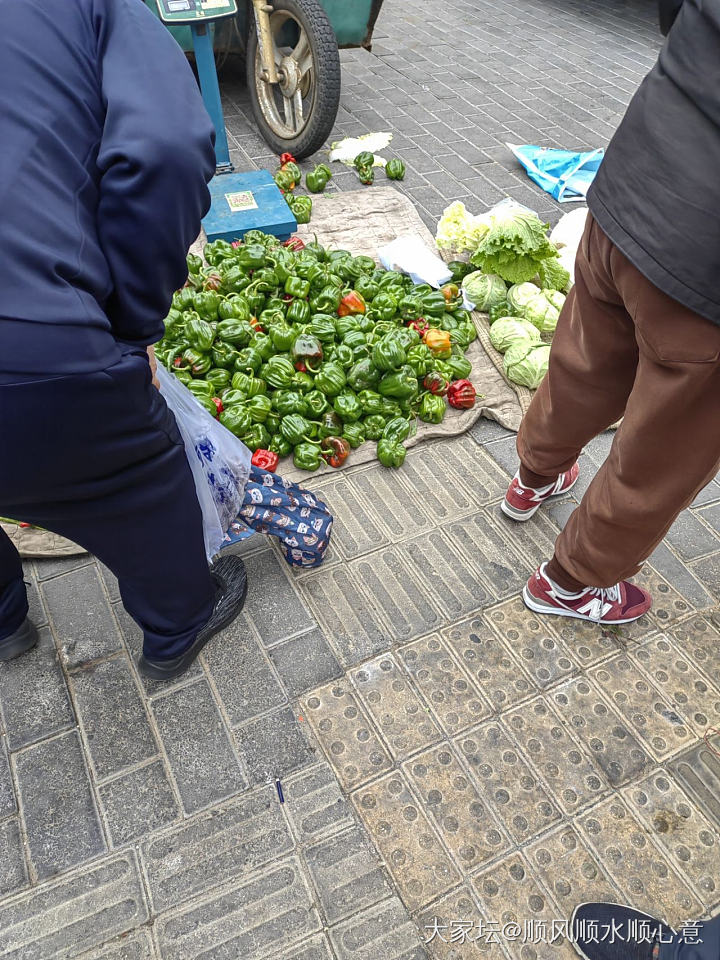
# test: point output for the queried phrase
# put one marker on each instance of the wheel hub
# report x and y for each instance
(290, 76)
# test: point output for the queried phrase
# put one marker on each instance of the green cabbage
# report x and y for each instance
(518, 295)
(556, 298)
(515, 246)
(484, 290)
(509, 330)
(526, 363)
(541, 313)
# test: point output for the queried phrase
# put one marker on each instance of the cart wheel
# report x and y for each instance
(297, 114)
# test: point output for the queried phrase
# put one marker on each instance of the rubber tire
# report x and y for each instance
(326, 57)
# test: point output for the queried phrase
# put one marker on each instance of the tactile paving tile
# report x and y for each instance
(698, 770)
(355, 531)
(681, 830)
(510, 787)
(534, 541)
(342, 606)
(543, 655)
(668, 605)
(520, 914)
(617, 752)
(408, 843)
(457, 587)
(435, 484)
(479, 473)
(570, 870)
(700, 641)
(654, 719)
(572, 776)
(452, 928)
(498, 674)
(346, 735)
(636, 865)
(684, 686)
(391, 500)
(454, 699)
(384, 932)
(491, 553)
(400, 715)
(590, 643)
(468, 827)
(402, 603)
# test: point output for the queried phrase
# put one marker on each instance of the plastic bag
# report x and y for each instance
(273, 506)
(220, 463)
(410, 255)
(564, 174)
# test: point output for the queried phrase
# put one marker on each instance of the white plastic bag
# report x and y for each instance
(220, 463)
(409, 255)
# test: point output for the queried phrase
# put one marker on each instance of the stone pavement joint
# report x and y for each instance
(445, 757)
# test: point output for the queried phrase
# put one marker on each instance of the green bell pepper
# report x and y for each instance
(237, 420)
(290, 401)
(280, 446)
(432, 408)
(432, 304)
(303, 381)
(410, 307)
(232, 397)
(317, 179)
(395, 169)
(327, 300)
(420, 359)
(306, 456)
(256, 438)
(200, 388)
(295, 428)
(322, 326)
(363, 375)
(256, 301)
(347, 406)
(390, 453)
(343, 355)
(199, 334)
(250, 386)
(408, 337)
(251, 256)
(315, 402)
(330, 379)
(219, 378)
(297, 287)
(199, 363)
(372, 403)
(237, 332)
(330, 425)
(207, 403)
(272, 424)
(259, 407)
(300, 206)
(263, 344)
(234, 307)
(374, 426)
(223, 355)
(367, 288)
(388, 353)
(399, 385)
(282, 336)
(354, 433)
(278, 372)
(397, 428)
(298, 312)
(233, 279)
(459, 367)
(348, 324)
(206, 303)
(216, 251)
(383, 307)
(248, 359)
(316, 249)
(194, 264)
(355, 339)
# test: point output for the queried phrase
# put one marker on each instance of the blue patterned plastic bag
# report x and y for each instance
(563, 174)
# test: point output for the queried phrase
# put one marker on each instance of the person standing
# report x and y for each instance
(638, 338)
(106, 154)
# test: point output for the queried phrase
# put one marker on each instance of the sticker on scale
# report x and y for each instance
(242, 200)
(213, 4)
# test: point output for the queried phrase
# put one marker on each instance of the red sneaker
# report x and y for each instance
(521, 502)
(619, 604)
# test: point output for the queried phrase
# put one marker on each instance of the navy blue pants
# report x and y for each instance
(707, 947)
(98, 458)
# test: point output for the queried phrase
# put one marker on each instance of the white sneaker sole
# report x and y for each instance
(522, 515)
(537, 607)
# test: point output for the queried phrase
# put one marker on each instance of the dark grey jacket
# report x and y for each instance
(657, 193)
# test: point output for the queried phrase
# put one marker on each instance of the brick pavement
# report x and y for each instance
(443, 753)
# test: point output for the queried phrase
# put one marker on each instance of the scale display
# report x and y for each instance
(194, 11)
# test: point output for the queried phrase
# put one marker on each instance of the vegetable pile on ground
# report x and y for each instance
(520, 282)
(298, 349)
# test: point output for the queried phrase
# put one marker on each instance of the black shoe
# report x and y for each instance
(610, 931)
(24, 639)
(231, 579)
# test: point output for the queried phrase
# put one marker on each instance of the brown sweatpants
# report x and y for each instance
(622, 347)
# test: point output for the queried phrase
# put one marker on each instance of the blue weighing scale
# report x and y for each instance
(239, 201)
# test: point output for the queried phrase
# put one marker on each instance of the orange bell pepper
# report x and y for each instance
(438, 342)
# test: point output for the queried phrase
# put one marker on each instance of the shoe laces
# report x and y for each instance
(601, 596)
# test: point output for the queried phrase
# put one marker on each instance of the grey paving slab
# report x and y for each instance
(36, 611)
(248, 919)
(347, 874)
(305, 662)
(61, 820)
(314, 803)
(234, 839)
(272, 605)
(202, 760)
(698, 772)
(46, 568)
(708, 572)
(382, 931)
(317, 948)
(138, 803)
(8, 804)
(691, 538)
(132, 635)
(672, 569)
(70, 916)
(274, 745)
(113, 716)
(13, 870)
(241, 674)
(133, 946)
(79, 613)
(33, 695)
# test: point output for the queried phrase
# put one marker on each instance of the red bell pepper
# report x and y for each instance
(461, 395)
(286, 158)
(337, 450)
(218, 406)
(265, 459)
(213, 281)
(436, 383)
(421, 325)
(352, 303)
(294, 243)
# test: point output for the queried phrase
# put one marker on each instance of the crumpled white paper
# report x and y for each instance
(410, 255)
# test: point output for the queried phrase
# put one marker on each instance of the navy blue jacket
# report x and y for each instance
(105, 153)
(657, 193)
